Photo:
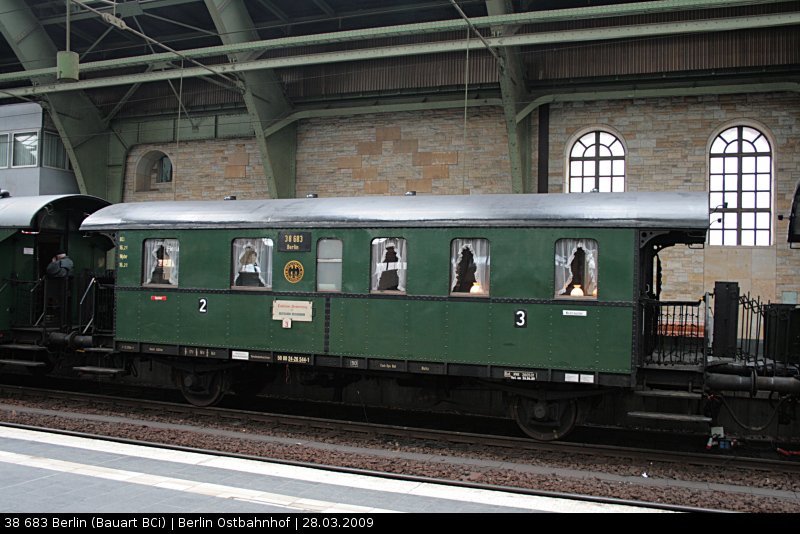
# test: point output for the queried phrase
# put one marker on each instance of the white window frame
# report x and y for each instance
(149, 262)
(729, 183)
(68, 166)
(589, 165)
(379, 265)
(38, 148)
(565, 249)
(325, 264)
(263, 267)
(482, 262)
(8, 151)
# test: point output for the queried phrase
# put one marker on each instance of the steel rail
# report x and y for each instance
(363, 428)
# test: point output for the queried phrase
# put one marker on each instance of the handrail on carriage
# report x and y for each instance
(85, 293)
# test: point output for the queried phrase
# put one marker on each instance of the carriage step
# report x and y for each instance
(22, 363)
(22, 346)
(668, 393)
(99, 370)
(670, 417)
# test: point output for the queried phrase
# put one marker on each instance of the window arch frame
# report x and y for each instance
(149, 171)
(576, 138)
(716, 211)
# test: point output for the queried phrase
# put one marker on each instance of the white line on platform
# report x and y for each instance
(319, 476)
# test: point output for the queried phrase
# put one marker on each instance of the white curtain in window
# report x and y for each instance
(389, 264)
(471, 257)
(161, 261)
(566, 250)
(4, 150)
(26, 147)
(53, 152)
(252, 262)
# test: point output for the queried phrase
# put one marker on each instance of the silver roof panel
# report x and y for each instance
(20, 212)
(686, 210)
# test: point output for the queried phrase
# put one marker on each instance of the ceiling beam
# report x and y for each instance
(515, 19)
(664, 92)
(649, 30)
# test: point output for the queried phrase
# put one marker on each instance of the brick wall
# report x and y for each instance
(202, 170)
(391, 154)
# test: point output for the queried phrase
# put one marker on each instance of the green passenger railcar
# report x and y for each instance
(536, 293)
(33, 229)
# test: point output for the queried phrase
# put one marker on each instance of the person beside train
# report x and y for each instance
(60, 266)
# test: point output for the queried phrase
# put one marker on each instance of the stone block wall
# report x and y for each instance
(382, 154)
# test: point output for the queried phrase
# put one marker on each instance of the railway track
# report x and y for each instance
(286, 422)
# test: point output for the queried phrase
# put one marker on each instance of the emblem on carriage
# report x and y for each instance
(293, 271)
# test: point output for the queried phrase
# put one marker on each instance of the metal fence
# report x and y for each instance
(761, 335)
(673, 332)
(27, 302)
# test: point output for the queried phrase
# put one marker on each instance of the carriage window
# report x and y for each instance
(576, 268)
(389, 264)
(161, 262)
(329, 265)
(251, 259)
(469, 261)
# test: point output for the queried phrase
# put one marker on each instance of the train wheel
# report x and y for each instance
(202, 389)
(545, 420)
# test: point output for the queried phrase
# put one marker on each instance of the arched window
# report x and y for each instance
(597, 163)
(740, 188)
(153, 171)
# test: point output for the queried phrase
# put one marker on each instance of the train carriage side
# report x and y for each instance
(537, 294)
(34, 310)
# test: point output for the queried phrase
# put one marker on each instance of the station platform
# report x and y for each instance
(54, 473)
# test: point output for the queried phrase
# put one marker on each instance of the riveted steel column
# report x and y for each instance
(512, 87)
(264, 98)
(76, 118)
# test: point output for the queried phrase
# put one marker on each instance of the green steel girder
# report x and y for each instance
(515, 19)
(264, 98)
(628, 94)
(512, 88)
(643, 30)
(425, 104)
(134, 7)
(78, 121)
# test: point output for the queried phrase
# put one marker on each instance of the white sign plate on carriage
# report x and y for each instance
(293, 310)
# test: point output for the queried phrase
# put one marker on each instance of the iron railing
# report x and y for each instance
(768, 336)
(673, 332)
(763, 336)
(27, 302)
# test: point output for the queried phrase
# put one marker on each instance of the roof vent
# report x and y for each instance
(230, 197)
(4, 193)
(312, 195)
(411, 193)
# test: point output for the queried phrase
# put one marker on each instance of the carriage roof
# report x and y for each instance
(21, 212)
(684, 210)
